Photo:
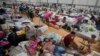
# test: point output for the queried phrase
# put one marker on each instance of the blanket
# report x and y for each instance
(53, 35)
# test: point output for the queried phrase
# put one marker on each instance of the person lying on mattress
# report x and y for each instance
(62, 22)
(31, 46)
(42, 28)
(26, 29)
(48, 47)
(85, 26)
(53, 22)
(47, 14)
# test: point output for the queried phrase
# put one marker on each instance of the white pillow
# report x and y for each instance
(43, 28)
(22, 54)
(22, 44)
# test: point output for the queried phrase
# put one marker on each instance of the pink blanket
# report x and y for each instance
(47, 14)
(32, 48)
(4, 43)
(79, 18)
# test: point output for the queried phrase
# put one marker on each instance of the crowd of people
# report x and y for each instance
(29, 40)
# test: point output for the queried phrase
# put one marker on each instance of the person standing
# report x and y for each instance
(4, 4)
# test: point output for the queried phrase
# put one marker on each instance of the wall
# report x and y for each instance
(65, 1)
(7, 1)
(78, 3)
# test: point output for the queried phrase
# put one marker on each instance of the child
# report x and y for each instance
(62, 22)
(40, 48)
(93, 38)
(53, 22)
(48, 48)
(32, 45)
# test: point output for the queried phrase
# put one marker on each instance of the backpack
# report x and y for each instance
(13, 39)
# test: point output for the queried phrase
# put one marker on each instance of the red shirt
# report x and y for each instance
(53, 22)
(68, 39)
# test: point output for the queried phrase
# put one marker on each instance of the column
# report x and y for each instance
(72, 3)
(95, 6)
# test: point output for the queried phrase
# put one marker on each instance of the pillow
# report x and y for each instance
(22, 54)
(53, 35)
(22, 44)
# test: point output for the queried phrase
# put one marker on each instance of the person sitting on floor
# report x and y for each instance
(93, 39)
(88, 46)
(47, 14)
(69, 40)
(62, 22)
